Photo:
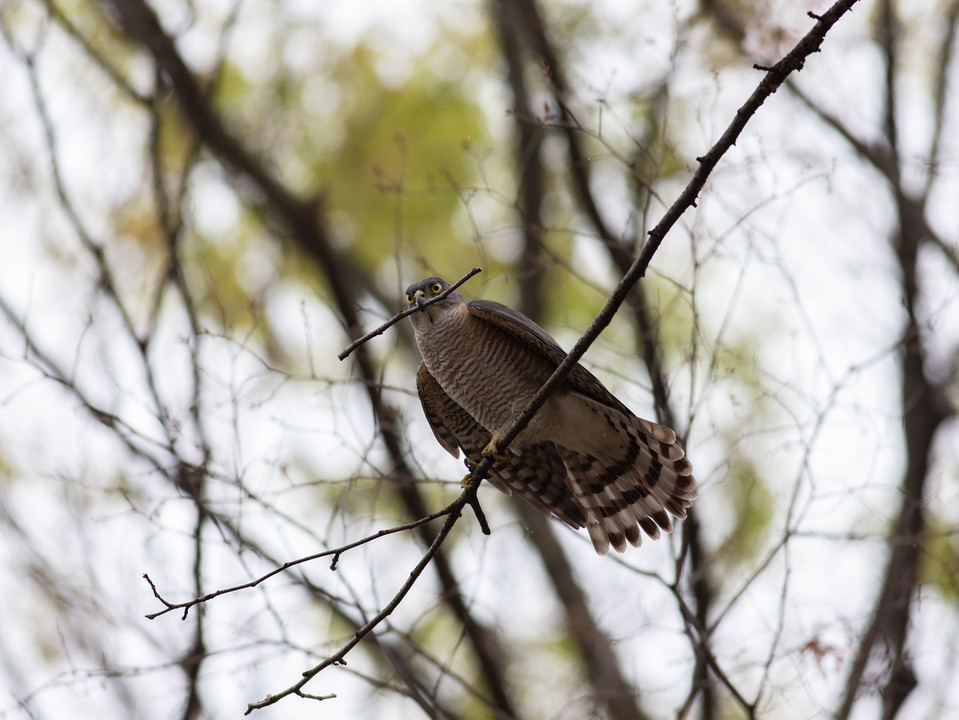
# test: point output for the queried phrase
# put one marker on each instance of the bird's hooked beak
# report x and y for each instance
(419, 297)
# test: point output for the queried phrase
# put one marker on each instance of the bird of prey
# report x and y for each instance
(584, 457)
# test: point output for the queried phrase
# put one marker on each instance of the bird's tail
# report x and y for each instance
(640, 490)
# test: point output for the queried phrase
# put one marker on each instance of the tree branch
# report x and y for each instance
(775, 76)
(334, 553)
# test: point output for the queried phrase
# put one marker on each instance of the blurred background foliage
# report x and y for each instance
(171, 401)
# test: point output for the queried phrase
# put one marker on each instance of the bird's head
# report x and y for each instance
(419, 292)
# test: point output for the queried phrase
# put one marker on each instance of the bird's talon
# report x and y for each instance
(490, 451)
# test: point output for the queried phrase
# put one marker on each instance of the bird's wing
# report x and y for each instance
(536, 338)
(536, 473)
(450, 423)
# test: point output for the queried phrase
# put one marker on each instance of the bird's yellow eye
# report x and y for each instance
(409, 299)
(436, 288)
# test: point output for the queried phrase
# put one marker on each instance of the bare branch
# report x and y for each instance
(335, 553)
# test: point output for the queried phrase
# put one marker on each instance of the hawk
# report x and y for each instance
(584, 457)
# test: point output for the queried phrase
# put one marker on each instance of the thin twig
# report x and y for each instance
(334, 552)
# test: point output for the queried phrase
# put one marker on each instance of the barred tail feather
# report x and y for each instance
(622, 496)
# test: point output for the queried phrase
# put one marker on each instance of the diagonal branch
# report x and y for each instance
(775, 76)
(623, 257)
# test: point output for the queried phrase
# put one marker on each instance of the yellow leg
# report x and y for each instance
(490, 450)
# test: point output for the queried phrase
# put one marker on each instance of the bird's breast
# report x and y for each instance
(487, 371)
